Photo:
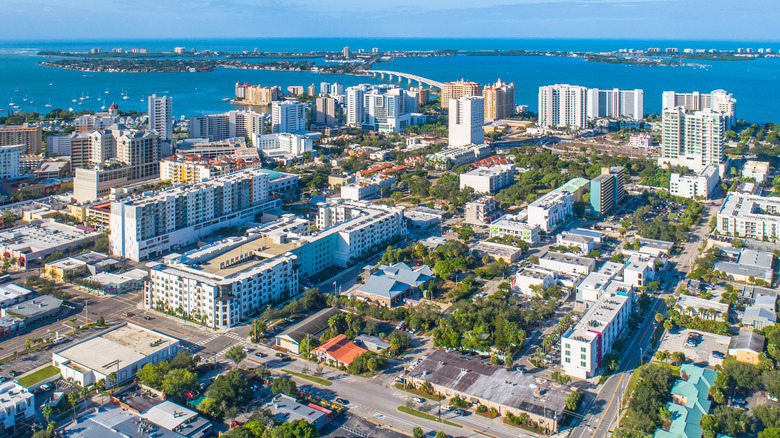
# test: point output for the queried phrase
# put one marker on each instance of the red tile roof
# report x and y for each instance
(341, 349)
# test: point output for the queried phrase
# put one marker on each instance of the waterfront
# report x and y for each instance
(754, 83)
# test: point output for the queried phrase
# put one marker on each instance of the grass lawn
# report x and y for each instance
(315, 379)
(418, 392)
(39, 376)
(425, 416)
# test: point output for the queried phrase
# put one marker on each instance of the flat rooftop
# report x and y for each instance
(41, 235)
(495, 249)
(750, 207)
(569, 258)
(128, 344)
(33, 307)
(532, 272)
(551, 199)
(686, 301)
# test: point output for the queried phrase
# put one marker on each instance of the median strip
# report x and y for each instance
(317, 380)
(425, 416)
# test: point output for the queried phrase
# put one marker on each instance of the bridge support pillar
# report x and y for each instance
(382, 75)
(410, 81)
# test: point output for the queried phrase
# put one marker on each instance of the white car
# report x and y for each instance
(418, 400)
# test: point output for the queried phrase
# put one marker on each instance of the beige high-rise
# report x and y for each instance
(455, 90)
(499, 100)
(30, 136)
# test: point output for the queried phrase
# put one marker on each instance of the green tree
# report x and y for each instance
(179, 381)
(236, 354)
(441, 434)
(284, 385)
(229, 389)
(47, 411)
(74, 398)
(153, 374)
(768, 415)
(417, 432)
(184, 360)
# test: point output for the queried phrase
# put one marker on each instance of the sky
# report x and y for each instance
(747, 20)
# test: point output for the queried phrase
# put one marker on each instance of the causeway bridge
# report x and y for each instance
(385, 74)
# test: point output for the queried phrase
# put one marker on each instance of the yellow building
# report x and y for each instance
(747, 347)
(454, 90)
(499, 100)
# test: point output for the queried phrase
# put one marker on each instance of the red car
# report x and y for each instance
(235, 423)
(191, 394)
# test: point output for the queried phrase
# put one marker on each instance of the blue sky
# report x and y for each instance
(630, 19)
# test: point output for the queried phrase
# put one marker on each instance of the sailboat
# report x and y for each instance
(12, 102)
(87, 95)
(25, 97)
(124, 95)
(104, 105)
(48, 104)
(106, 90)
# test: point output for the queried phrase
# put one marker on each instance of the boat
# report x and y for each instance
(70, 109)
(48, 104)
(73, 100)
(106, 90)
(25, 97)
(50, 84)
(31, 101)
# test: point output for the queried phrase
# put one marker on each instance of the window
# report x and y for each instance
(583, 357)
(568, 360)
(582, 349)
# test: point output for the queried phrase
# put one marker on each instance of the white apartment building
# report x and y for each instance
(693, 139)
(232, 124)
(756, 170)
(466, 117)
(284, 145)
(639, 270)
(751, 216)
(148, 225)
(367, 188)
(692, 186)
(616, 104)
(512, 225)
(59, 144)
(10, 160)
(458, 155)
(610, 275)
(488, 179)
(718, 100)
(563, 106)
(551, 210)
(532, 277)
(585, 345)
(160, 112)
(288, 116)
(642, 140)
(383, 108)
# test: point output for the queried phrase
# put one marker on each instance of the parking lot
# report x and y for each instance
(701, 352)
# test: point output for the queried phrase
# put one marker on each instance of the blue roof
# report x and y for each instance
(390, 281)
(690, 402)
(272, 174)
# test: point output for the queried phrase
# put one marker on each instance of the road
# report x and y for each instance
(376, 400)
(600, 415)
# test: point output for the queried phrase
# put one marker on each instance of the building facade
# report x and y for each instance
(693, 139)
(694, 186)
(499, 100)
(616, 104)
(232, 124)
(28, 135)
(551, 210)
(288, 116)
(488, 179)
(458, 89)
(718, 100)
(149, 225)
(160, 111)
(563, 106)
(466, 117)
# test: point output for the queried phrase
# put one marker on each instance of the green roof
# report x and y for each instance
(36, 376)
(272, 174)
(575, 184)
(693, 391)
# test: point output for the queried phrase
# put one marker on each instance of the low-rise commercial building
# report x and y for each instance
(751, 266)
(551, 210)
(655, 247)
(284, 145)
(338, 351)
(497, 251)
(176, 418)
(91, 262)
(488, 179)
(507, 391)
(696, 186)
(515, 226)
(761, 313)
(292, 338)
(690, 402)
(424, 217)
(121, 350)
(34, 310)
(31, 243)
(11, 294)
(119, 283)
(585, 345)
(286, 409)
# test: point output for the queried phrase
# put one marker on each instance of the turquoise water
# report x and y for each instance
(754, 83)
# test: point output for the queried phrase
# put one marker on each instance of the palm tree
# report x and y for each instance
(112, 379)
(47, 412)
(74, 398)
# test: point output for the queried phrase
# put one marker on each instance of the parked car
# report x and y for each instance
(419, 400)
(718, 354)
(260, 354)
(279, 355)
(342, 401)
(45, 387)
